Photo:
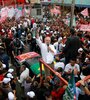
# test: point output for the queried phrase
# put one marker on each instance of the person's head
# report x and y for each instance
(35, 84)
(29, 36)
(47, 40)
(72, 31)
(72, 62)
(48, 95)
(28, 80)
(23, 67)
(1, 65)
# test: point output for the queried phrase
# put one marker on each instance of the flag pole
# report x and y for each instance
(62, 7)
(3, 3)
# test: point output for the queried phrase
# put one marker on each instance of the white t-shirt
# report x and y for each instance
(69, 67)
(24, 75)
(25, 24)
(34, 25)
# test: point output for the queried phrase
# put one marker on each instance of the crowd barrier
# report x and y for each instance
(58, 74)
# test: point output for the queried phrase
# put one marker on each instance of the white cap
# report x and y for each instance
(9, 75)
(59, 65)
(3, 65)
(6, 80)
(80, 49)
(3, 30)
(23, 33)
(31, 94)
(47, 28)
(47, 33)
(10, 70)
(42, 31)
(10, 96)
(51, 31)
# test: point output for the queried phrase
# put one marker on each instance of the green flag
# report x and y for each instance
(70, 93)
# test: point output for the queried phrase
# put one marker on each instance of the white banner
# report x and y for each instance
(11, 12)
(4, 12)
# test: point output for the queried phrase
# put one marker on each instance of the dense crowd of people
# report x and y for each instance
(63, 48)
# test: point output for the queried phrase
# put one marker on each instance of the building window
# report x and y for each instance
(38, 11)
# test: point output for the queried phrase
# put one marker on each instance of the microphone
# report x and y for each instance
(47, 47)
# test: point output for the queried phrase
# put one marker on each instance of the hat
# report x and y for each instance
(47, 28)
(6, 80)
(9, 75)
(3, 65)
(10, 70)
(80, 49)
(10, 96)
(42, 31)
(23, 33)
(31, 94)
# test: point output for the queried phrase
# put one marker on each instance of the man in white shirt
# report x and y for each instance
(24, 74)
(59, 45)
(47, 50)
(72, 66)
(25, 24)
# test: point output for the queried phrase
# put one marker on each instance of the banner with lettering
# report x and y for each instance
(85, 28)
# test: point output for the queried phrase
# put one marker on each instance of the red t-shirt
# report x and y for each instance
(1, 77)
(57, 94)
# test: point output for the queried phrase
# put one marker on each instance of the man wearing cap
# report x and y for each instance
(6, 88)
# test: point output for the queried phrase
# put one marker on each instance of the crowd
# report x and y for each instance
(63, 48)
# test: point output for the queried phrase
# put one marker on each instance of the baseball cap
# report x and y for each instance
(31, 94)
(10, 70)
(6, 80)
(10, 96)
(9, 75)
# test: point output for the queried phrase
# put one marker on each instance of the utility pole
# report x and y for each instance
(62, 7)
(72, 13)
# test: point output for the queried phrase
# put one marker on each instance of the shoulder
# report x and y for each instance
(55, 43)
(76, 65)
(68, 65)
